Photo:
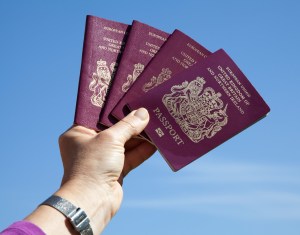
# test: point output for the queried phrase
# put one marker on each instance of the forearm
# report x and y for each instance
(93, 164)
(93, 200)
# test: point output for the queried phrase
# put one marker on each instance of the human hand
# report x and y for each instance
(100, 161)
(94, 167)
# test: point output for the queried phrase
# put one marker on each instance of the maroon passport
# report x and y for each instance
(177, 54)
(104, 42)
(142, 44)
(200, 108)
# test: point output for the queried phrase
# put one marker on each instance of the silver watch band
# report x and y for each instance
(77, 216)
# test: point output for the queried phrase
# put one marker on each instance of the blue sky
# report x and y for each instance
(249, 185)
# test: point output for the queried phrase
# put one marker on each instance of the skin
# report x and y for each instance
(95, 165)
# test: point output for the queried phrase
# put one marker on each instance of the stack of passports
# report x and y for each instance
(196, 99)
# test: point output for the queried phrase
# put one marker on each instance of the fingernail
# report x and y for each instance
(141, 113)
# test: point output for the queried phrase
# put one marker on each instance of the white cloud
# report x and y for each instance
(238, 172)
(239, 190)
(268, 205)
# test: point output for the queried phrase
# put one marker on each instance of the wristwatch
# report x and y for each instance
(77, 216)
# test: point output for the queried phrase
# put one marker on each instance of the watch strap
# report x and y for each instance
(76, 215)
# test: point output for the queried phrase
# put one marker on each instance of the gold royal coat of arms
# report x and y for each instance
(199, 111)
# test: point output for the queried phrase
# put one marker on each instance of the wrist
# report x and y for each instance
(95, 201)
(76, 216)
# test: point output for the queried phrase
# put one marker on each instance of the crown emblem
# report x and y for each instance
(101, 63)
(200, 81)
(165, 72)
(139, 66)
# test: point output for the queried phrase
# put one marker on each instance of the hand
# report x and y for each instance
(102, 159)
(96, 163)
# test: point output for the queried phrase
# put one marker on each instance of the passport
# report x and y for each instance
(199, 109)
(104, 41)
(178, 53)
(142, 44)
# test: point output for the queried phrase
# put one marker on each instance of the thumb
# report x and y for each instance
(133, 124)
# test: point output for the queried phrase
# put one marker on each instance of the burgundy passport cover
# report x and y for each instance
(104, 41)
(200, 108)
(178, 53)
(142, 44)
